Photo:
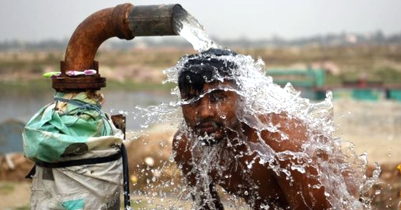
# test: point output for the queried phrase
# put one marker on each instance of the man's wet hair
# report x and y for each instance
(204, 68)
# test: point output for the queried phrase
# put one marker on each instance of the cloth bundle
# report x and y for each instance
(70, 129)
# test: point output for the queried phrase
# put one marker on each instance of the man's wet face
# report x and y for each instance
(212, 111)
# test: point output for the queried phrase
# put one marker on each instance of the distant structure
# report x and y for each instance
(312, 84)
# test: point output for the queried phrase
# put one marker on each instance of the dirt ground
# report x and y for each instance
(14, 195)
(374, 128)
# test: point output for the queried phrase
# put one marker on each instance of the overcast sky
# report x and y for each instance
(35, 20)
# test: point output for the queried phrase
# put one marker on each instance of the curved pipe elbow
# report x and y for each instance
(92, 32)
(123, 21)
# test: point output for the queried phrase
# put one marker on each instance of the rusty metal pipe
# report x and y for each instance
(154, 20)
(124, 21)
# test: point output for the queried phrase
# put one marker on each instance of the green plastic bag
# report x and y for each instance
(70, 126)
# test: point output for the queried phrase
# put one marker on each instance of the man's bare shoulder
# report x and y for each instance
(179, 138)
(283, 132)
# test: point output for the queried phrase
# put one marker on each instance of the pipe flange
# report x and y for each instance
(65, 83)
(80, 83)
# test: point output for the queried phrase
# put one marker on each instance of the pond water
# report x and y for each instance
(22, 105)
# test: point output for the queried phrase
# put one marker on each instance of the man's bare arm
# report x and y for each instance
(302, 188)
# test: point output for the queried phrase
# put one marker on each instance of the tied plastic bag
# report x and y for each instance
(72, 125)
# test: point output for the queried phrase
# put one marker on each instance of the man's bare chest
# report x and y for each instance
(235, 173)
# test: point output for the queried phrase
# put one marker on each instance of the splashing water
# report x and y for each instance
(260, 97)
(189, 28)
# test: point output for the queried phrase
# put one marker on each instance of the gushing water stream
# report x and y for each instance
(261, 97)
(189, 28)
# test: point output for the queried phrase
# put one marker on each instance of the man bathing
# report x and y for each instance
(259, 157)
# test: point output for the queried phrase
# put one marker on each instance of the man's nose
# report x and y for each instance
(205, 108)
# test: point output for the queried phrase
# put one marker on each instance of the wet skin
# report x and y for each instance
(259, 185)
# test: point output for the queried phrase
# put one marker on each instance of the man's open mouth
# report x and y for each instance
(208, 128)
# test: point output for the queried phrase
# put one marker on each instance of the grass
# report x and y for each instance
(133, 86)
(6, 188)
(22, 208)
(377, 62)
(44, 86)
(26, 88)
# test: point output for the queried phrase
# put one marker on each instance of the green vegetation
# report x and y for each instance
(133, 86)
(155, 58)
(388, 75)
(22, 208)
(141, 69)
(26, 88)
(44, 87)
(6, 188)
(375, 63)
